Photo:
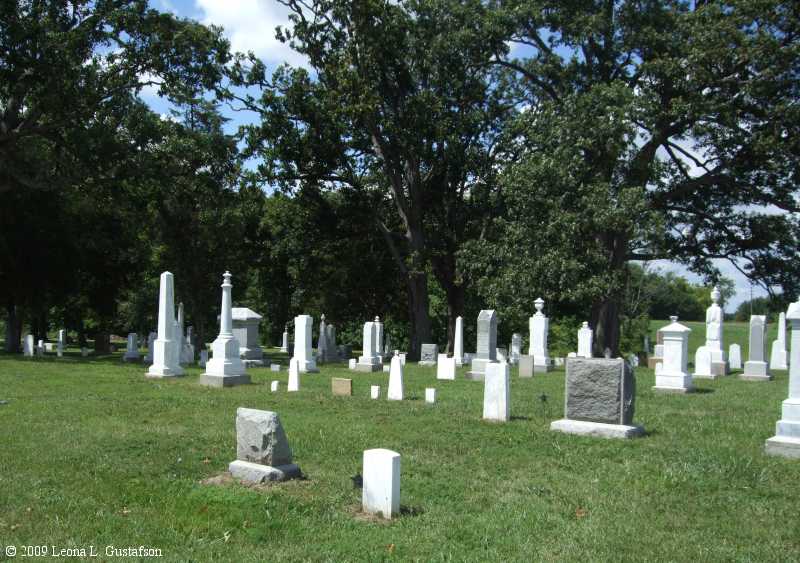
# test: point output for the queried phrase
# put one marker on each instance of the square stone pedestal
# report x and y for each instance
(755, 371)
(369, 368)
(596, 429)
(223, 380)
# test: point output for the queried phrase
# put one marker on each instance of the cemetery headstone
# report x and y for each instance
(285, 341)
(429, 354)
(275, 386)
(132, 350)
(600, 398)
(515, 347)
(756, 368)
(735, 356)
(786, 441)
(430, 395)
(151, 338)
(351, 363)
(458, 342)
(375, 391)
(342, 387)
(302, 344)
(294, 375)
(395, 392)
(585, 336)
(203, 358)
(445, 367)
(275, 367)
(262, 450)
(539, 327)
(526, 366)
(165, 352)
(778, 358)
(380, 494)
(245, 328)
(672, 373)
(486, 348)
(496, 393)
(27, 346)
(369, 360)
(225, 368)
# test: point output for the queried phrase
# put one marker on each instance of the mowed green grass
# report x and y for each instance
(95, 454)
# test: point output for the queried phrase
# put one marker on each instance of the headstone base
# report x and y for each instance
(720, 368)
(783, 446)
(249, 472)
(255, 363)
(369, 368)
(658, 389)
(223, 380)
(539, 368)
(163, 373)
(426, 364)
(756, 371)
(596, 429)
(705, 376)
(674, 383)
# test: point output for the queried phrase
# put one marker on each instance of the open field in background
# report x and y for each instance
(95, 454)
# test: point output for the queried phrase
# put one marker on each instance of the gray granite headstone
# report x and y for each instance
(429, 354)
(487, 336)
(599, 390)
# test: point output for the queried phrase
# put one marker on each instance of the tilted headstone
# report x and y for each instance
(380, 493)
(539, 326)
(600, 396)
(225, 368)
(486, 348)
(672, 372)
(756, 368)
(429, 354)
(735, 356)
(262, 450)
(445, 367)
(165, 352)
(302, 344)
(585, 336)
(496, 393)
(458, 342)
(395, 380)
(778, 358)
(369, 360)
(786, 441)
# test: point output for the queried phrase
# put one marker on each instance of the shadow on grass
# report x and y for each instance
(517, 417)
(702, 391)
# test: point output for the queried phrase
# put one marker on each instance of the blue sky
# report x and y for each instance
(250, 26)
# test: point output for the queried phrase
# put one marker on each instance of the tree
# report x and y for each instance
(400, 109)
(654, 130)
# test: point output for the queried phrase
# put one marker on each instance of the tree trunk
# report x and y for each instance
(13, 329)
(418, 313)
(81, 334)
(605, 320)
(445, 269)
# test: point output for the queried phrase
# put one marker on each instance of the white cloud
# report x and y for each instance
(250, 26)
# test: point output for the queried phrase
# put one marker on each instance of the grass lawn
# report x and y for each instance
(95, 454)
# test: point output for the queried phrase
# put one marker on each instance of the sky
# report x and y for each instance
(250, 26)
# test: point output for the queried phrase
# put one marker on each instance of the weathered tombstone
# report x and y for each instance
(718, 365)
(369, 360)
(151, 338)
(275, 386)
(27, 346)
(755, 368)
(187, 354)
(386, 368)
(445, 367)
(302, 344)
(486, 348)
(501, 354)
(225, 368)
(539, 326)
(430, 395)
(786, 441)
(165, 352)
(526, 366)
(403, 358)
(735, 356)
(600, 398)
(515, 348)
(458, 342)
(378, 344)
(375, 391)
(672, 374)
(132, 350)
(345, 351)
(62, 342)
(245, 329)
(332, 353)
(322, 341)
(351, 363)
(262, 450)
(428, 354)
(203, 358)
(275, 367)
(285, 340)
(40, 348)
(177, 341)
(778, 356)
(585, 336)
(380, 494)
(342, 387)
(294, 375)
(395, 392)
(84, 352)
(496, 394)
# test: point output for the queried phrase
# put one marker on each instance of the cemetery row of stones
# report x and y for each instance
(600, 392)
